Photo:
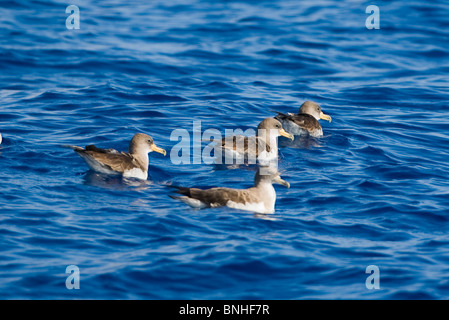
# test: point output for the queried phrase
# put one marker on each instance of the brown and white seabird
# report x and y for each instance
(131, 164)
(262, 148)
(260, 198)
(306, 121)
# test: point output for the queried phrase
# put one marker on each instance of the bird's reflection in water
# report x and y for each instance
(265, 216)
(114, 182)
(222, 166)
(301, 142)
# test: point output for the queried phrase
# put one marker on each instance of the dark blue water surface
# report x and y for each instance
(373, 191)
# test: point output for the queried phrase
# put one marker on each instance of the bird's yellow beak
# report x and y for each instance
(281, 181)
(325, 117)
(157, 149)
(284, 133)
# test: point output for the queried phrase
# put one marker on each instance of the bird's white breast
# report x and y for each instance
(266, 205)
(136, 173)
(258, 207)
(265, 158)
(195, 203)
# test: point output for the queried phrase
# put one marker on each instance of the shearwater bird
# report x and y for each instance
(261, 149)
(260, 198)
(306, 121)
(131, 164)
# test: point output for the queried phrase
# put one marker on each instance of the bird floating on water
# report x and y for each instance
(131, 164)
(306, 121)
(261, 149)
(260, 198)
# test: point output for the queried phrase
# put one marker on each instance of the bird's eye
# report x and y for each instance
(278, 126)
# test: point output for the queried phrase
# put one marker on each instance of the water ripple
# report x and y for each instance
(372, 191)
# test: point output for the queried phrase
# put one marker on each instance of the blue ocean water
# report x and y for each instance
(373, 191)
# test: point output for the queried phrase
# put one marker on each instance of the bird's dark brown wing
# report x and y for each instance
(100, 150)
(303, 120)
(244, 144)
(119, 162)
(215, 196)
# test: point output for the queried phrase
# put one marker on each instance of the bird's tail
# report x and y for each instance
(278, 112)
(181, 190)
(76, 148)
